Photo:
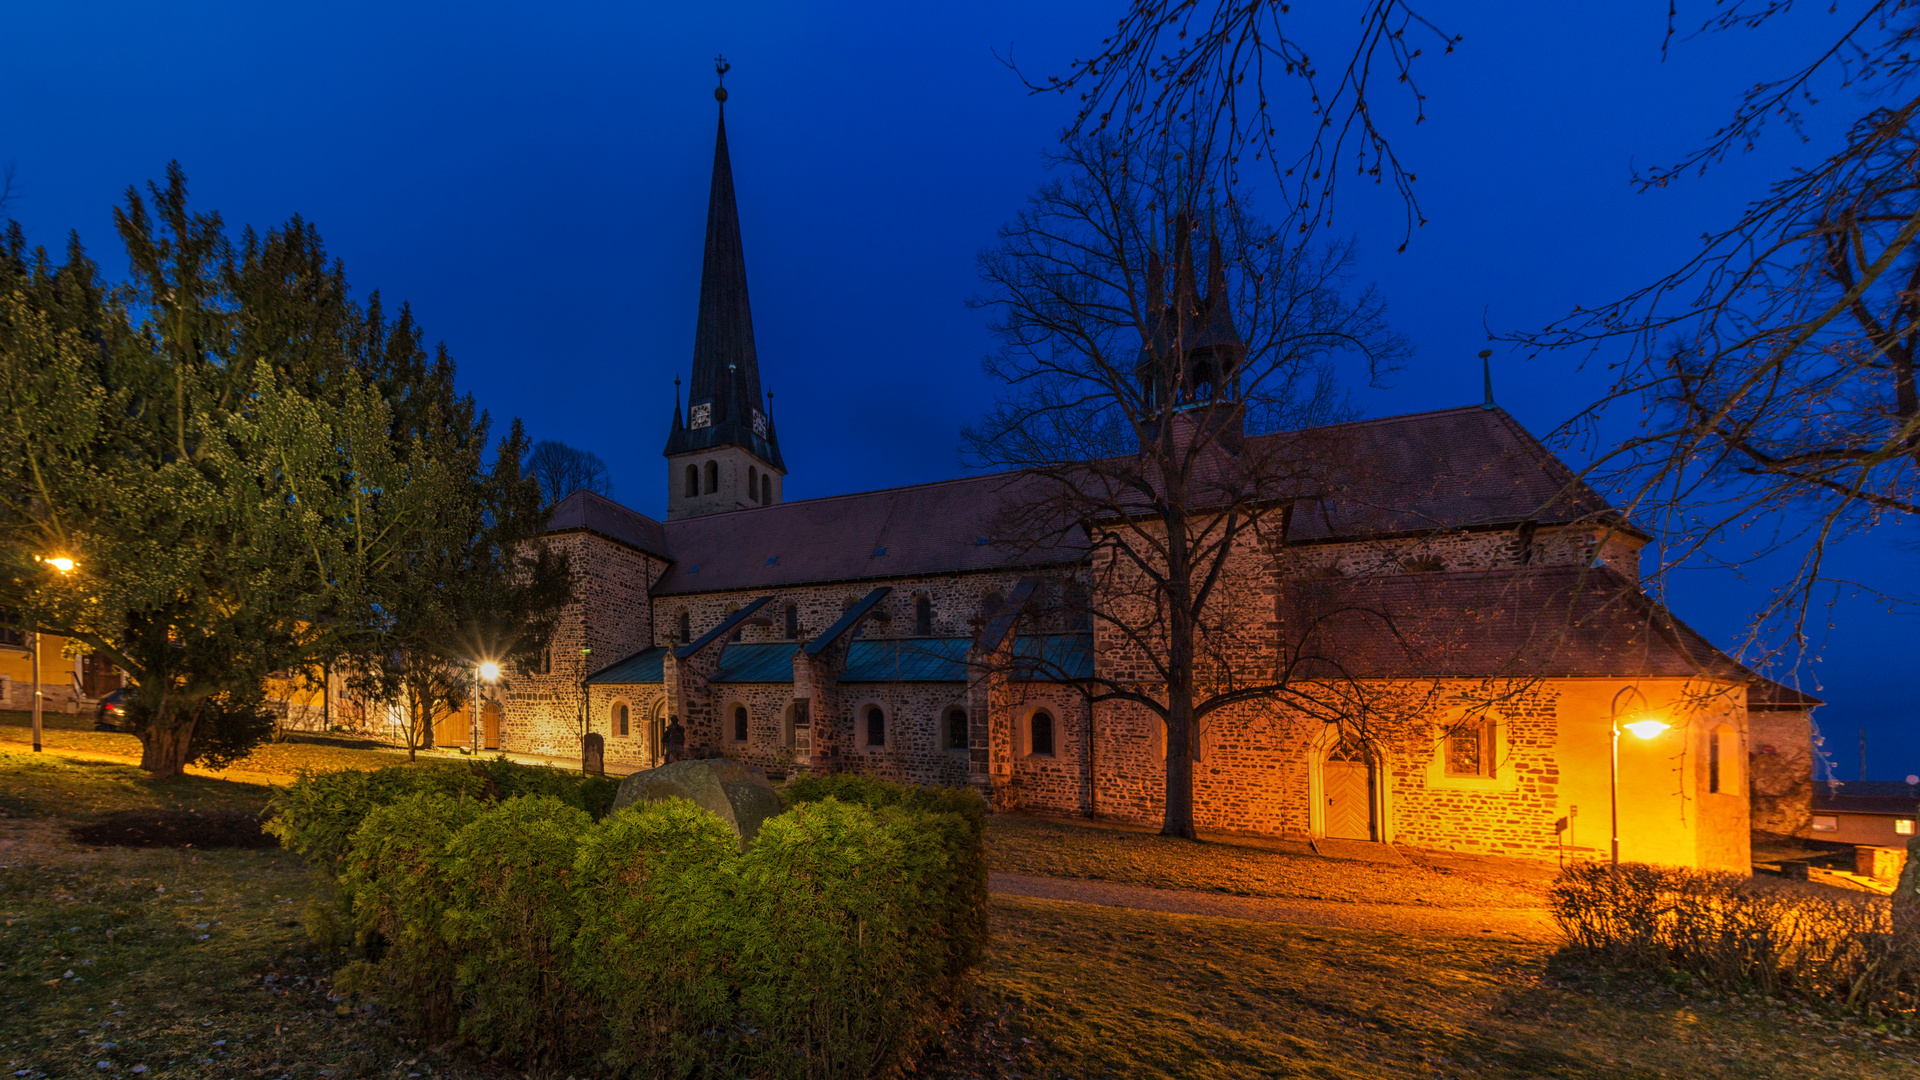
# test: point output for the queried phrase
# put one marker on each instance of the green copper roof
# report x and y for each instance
(642, 667)
(911, 660)
(758, 662)
(1056, 656)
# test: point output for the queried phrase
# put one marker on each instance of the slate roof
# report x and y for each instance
(1548, 621)
(1453, 468)
(1056, 656)
(924, 529)
(645, 666)
(583, 511)
(757, 662)
(1868, 797)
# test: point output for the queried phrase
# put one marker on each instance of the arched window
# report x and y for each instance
(693, 481)
(686, 627)
(793, 622)
(618, 721)
(713, 477)
(739, 723)
(766, 489)
(876, 726)
(1040, 730)
(1723, 770)
(956, 729)
(753, 483)
(922, 615)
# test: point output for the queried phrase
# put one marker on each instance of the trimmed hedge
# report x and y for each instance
(648, 943)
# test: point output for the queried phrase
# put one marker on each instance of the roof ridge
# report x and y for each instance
(850, 495)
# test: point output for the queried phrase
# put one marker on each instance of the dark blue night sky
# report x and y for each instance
(533, 180)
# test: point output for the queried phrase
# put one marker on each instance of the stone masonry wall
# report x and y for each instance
(1480, 550)
(611, 615)
(1780, 771)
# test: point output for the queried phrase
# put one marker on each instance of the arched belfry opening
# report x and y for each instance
(727, 428)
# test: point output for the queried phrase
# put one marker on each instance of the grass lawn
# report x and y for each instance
(271, 763)
(190, 963)
(1248, 866)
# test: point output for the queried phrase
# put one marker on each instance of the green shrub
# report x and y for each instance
(399, 872)
(655, 886)
(965, 898)
(511, 919)
(648, 943)
(1737, 932)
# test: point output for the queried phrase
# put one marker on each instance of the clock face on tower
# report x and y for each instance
(759, 423)
(702, 416)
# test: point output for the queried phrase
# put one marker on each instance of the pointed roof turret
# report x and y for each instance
(723, 398)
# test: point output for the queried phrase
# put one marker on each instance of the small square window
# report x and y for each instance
(1903, 826)
(1825, 824)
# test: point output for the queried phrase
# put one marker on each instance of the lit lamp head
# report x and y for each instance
(489, 671)
(60, 563)
(1646, 727)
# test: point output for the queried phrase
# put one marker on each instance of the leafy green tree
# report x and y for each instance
(243, 463)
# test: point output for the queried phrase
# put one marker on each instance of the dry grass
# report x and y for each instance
(1245, 866)
(270, 763)
(1090, 992)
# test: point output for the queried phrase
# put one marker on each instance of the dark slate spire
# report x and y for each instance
(723, 399)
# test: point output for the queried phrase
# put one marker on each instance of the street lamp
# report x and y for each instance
(1646, 727)
(65, 565)
(489, 671)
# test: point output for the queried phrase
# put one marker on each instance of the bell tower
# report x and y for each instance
(723, 453)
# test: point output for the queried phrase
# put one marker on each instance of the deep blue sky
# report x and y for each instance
(533, 180)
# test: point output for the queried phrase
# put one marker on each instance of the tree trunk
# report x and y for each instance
(164, 751)
(1178, 820)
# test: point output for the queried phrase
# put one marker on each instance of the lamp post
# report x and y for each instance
(1646, 728)
(489, 671)
(65, 566)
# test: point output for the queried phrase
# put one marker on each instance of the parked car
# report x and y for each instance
(111, 715)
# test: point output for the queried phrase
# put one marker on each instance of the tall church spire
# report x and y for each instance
(723, 399)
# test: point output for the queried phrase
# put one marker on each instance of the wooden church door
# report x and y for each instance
(1347, 779)
(490, 725)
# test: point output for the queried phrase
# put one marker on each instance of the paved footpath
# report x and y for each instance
(1512, 923)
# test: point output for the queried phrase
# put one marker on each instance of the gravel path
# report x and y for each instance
(1512, 923)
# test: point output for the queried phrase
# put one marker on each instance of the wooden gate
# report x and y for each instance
(490, 724)
(1347, 778)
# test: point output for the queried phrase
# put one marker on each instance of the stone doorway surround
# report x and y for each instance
(1325, 774)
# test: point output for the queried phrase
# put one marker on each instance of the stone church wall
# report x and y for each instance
(1780, 771)
(610, 614)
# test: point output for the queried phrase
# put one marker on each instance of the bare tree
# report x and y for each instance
(1769, 380)
(1241, 76)
(1133, 405)
(563, 470)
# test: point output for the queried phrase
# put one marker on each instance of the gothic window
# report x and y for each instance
(686, 627)
(766, 489)
(923, 615)
(739, 723)
(1040, 728)
(753, 483)
(956, 729)
(1470, 749)
(713, 477)
(876, 726)
(693, 481)
(793, 622)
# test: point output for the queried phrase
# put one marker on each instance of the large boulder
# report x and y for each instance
(738, 793)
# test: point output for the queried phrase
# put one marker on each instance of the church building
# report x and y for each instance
(869, 632)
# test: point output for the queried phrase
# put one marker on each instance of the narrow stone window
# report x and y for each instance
(876, 726)
(739, 723)
(793, 622)
(923, 615)
(753, 483)
(686, 627)
(619, 718)
(1041, 734)
(713, 477)
(1713, 762)
(1470, 749)
(693, 481)
(766, 489)
(956, 729)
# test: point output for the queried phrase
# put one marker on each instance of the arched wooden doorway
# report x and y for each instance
(1347, 779)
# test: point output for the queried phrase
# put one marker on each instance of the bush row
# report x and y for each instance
(1740, 933)
(648, 943)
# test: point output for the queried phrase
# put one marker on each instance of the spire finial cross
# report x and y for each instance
(720, 69)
